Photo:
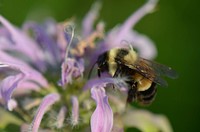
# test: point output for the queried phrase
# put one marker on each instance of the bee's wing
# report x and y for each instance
(153, 71)
(161, 69)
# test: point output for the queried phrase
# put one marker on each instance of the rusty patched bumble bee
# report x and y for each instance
(143, 75)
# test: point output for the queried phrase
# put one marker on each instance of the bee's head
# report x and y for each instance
(102, 63)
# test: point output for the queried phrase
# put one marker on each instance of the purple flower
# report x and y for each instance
(45, 64)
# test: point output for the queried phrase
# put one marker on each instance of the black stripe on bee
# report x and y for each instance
(146, 97)
(146, 101)
(131, 95)
(102, 63)
(150, 91)
(120, 54)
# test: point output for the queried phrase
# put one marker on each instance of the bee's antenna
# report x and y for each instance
(90, 72)
(131, 47)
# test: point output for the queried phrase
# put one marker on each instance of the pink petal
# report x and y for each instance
(46, 103)
(23, 43)
(11, 104)
(61, 117)
(61, 39)
(71, 68)
(75, 111)
(104, 81)
(18, 65)
(90, 18)
(48, 44)
(124, 32)
(102, 118)
(135, 17)
(7, 87)
(145, 46)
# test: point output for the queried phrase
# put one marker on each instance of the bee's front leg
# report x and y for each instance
(99, 72)
(118, 71)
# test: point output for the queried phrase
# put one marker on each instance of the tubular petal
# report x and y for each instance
(17, 65)
(46, 42)
(137, 16)
(71, 68)
(103, 82)
(21, 40)
(75, 111)
(90, 18)
(102, 118)
(48, 100)
(61, 117)
(7, 86)
(124, 33)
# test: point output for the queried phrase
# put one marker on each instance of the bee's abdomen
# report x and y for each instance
(146, 97)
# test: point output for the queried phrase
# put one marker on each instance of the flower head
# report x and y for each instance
(46, 65)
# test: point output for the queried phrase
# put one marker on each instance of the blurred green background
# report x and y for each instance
(173, 28)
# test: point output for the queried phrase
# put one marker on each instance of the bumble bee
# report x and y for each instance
(143, 75)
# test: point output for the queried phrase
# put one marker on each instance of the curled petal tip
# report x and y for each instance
(7, 87)
(11, 104)
(71, 68)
